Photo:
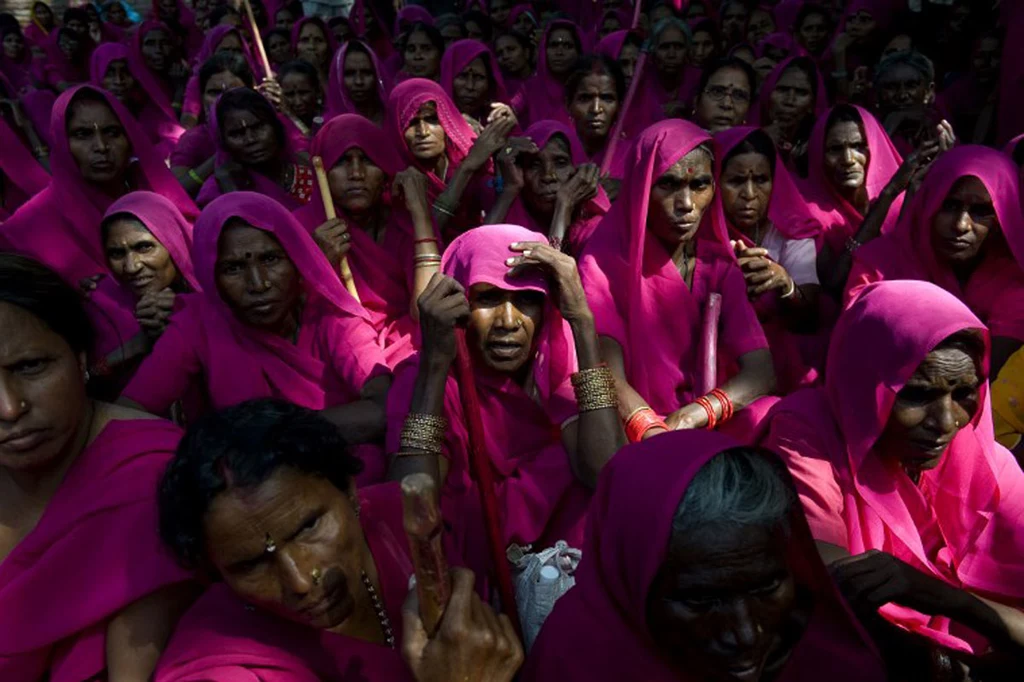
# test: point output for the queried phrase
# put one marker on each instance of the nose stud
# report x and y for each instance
(269, 544)
(23, 404)
(316, 576)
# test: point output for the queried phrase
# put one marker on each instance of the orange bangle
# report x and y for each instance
(727, 407)
(710, 410)
(640, 422)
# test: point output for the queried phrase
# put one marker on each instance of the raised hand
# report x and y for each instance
(411, 185)
(564, 279)
(761, 273)
(153, 312)
(581, 187)
(333, 239)
(493, 138)
(443, 306)
(508, 161)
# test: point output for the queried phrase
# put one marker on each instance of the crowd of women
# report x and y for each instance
(726, 296)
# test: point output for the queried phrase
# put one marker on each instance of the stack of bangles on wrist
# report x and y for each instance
(723, 402)
(444, 208)
(426, 260)
(423, 432)
(595, 389)
(640, 421)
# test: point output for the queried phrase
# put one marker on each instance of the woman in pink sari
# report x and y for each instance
(542, 97)
(157, 65)
(624, 47)
(649, 269)
(41, 24)
(93, 562)
(356, 83)
(669, 84)
(16, 61)
(515, 57)
(471, 77)
(900, 475)
(21, 174)
(693, 540)
(222, 38)
(313, 42)
(532, 339)
(66, 61)
(792, 99)
(964, 232)
(594, 95)
(182, 21)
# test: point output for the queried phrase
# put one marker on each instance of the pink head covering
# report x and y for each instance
(338, 101)
(332, 44)
(193, 98)
(760, 114)
(17, 72)
(458, 56)
(409, 15)
(973, 498)
(611, 45)
(882, 11)
(543, 93)
(20, 169)
(150, 82)
(782, 41)
(599, 631)
(56, 67)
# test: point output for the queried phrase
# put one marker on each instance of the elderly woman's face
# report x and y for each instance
(847, 156)
(470, 87)
(792, 99)
(137, 259)
(42, 392)
(503, 324)
(256, 278)
(939, 399)
(964, 221)
(356, 182)
(421, 57)
(292, 546)
(746, 187)
(679, 198)
(725, 100)
(721, 603)
(813, 32)
(98, 142)
(249, 140)
(561, 51)
(903, 87)
(544, 174)
(118, 79)
(312, 45)
(670, 51)
(424, 136)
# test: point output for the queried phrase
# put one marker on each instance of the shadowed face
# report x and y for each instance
(963, 222)
(470, 87)
(118, 79)
(136, 258)
(360, 77)
(746, 187)
(249, 139)
(670, 51)
(792, 99)
(562, 52)
(157, 51)
(512, 56)
(594, 106)
(679, 198)
(312, 45)
(424, 135)
(422, 58)
(725, 100)
(544, 174)
(98, 143)
(503, 324)
(356, 182)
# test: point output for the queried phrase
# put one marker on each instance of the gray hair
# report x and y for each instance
(911, 58)
(739, 487)
(667, 23)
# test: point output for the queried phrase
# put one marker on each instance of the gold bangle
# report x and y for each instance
(423, 432)
(595, 389)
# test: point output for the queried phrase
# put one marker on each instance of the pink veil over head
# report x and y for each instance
(338, 101)
(459, 55)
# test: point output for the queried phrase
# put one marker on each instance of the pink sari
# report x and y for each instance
(759, 115)
(220, 638)
(459, 55)
(338, 101)
(996, 286)
(183, 27)
(598, 631)
(382, 271)
(154, 85)
(18, 72)
(57, 68)
(961, 523)
(542, 97)
(89, 557)
(839, 219)
(539, 498)
(193, 104)
(632, 282)
(23, 177)
(60, 226)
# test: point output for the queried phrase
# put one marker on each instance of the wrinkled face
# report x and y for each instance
(42, 392)
(284, 19)
(963, 221)
(98, 143)
(301, 94)
(746, 187)
(118, 80)
(218, 84)
(725, 101)
(903, 87)
(627, 61)
(116, 14)
(760, 25)
(720, 605)
(562, 52)
(157, 50)
(899, 43)
(360, 78)
(279, 50)
(502, 325)
(14, 45)
(312, 45)
(860, 26)
(69, 44)
(471, 85)
(846, 156)
(734, 20)
(702, 49)
(813, 33)
(792, 99)
(249, 140)
(256, 278)
(986, 59)
(545, 173)
(356, 182)
(595, 106)
(231, 42)
(499, 11)
(422, 58)
(680, 197)
(512, 58)
(424, 135)
(136, 258)
(313, 529)
(939, 399)
(670, 51)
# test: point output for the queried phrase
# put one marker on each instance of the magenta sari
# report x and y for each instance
(961, 523)
(539, 499)
(759, 114)
(338, 100)
(631, 282)
(153, 85)
(542, 97)
(383, 271)
(598, 631)
(996, 286)
(23, 177)
(183, 27)
(459, 55)
(57, 68)
(19, 73)
(89, 557)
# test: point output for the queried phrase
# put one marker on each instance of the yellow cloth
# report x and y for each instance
(1008, 401)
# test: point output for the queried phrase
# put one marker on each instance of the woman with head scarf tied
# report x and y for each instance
(720, 584)
(649, 269)
(792, 98)
(77, 514)
(543, 96)
(812, 27)
(66, 61)
(594, 95)
(158, 65)
(313, 42)
(356, 84)
(910, 499)
(532, 349)
(302, 98)
(420, 51)
(223, 38)
(472, 79)
(514, 53)
(624, 47)
(41, 24)
(16, 61)
(24, 159)
(669, 84)
(863, 32)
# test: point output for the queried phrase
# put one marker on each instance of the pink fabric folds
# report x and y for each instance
(219, 638)
(538, 496)
(759, 114)
(338, 101)
(193, 98)
(996, 286)
(598, 631)
(89, 556)
(632, 282)
(382, 271)
(459, 55)
(152, 84)
(839, 219)
(543, 96)
(56, 68)
(22, 175)
(961, 523)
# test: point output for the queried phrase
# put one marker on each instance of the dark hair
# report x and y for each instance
(36, 289)
(1018, 152)
(757, 142)
(805, 64)
(913, 59)
(242, 447)
(247, 99)
(283, 32)
(225, 61)
(595, 64)
(303, 67)
(88, 93)
(447, 19)
(433, 35)
(482, 20)
(708, 25)
(73, 13)
(8, 23)
(734, 63)
(518, 36)
(808, 9)
(220, 12)
(843, 113)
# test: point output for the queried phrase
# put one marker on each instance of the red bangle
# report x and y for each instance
(727, 407)
(642, 421)
(706, 404)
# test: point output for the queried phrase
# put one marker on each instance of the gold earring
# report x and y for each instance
(269, 544)
(316, 576)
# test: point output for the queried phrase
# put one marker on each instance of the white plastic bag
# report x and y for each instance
(540, 579)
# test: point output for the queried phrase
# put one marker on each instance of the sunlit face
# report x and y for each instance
(746, 187)
(256, 278)
(813, 32)
(98, 143)
(846, 157)
(679, 198)
(594, 106)
(939, 399)
(502, 326)
(424, 135)
(356, 182)
(470, 87)
(760, 25)
(359, 77)
(963, 222)
(42, 392)
(902, 87)
(136, 258)
(725, 101)
(218, 84)
(14, 45)
(312, 45)
(118, 79)
(734, 19)
(422, 58)
(670, 51)
(301, 94)
(792, 99)
(544, 174)
(279, 49)
(284, 19)
(562, 52)
(249, 140)
(702, 50)
(157, 51)
(860, 25)
(512, 57)
(314, 530)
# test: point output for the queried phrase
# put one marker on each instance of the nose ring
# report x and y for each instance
(266, 283)
(760, 630)
(23, 404)
(316, 576)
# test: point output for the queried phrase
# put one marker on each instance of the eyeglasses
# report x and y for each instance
(719, 93)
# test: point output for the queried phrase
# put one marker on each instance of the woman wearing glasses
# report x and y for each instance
(723, 99)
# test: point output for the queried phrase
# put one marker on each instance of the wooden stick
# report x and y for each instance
(620, 121)
(709, 343)
(325, 194)
(258, 39)
(422, 521)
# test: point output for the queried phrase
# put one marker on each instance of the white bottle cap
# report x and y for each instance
(549, 574)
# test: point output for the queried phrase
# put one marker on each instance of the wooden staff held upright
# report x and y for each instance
(325, 194)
